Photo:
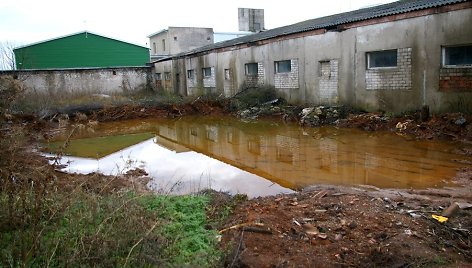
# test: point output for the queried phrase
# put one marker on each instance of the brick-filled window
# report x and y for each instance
(251, 68)
(382, 59)
(457, 56)
(227, 74)
(190, 74)
(167, 75)
(389, 69)
(206, 72)
(284, 66)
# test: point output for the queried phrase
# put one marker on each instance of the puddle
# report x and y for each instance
(258, 158)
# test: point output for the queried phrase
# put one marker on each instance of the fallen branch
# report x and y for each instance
(139, 241)
(257, 230)
(241, 225)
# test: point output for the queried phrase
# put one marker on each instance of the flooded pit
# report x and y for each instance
(258, 158)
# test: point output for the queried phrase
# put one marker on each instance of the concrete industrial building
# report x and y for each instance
(175, 40)
(251, 20)
(394, 57)
(82, 63)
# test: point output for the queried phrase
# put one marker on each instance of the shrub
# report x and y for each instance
(252, 96)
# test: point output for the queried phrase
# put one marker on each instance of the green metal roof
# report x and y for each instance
(80, 50)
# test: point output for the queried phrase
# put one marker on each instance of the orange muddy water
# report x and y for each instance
(281, 157)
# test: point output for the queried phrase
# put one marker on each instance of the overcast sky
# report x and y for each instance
(28, 21)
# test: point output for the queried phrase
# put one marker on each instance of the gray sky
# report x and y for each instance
(29, 21)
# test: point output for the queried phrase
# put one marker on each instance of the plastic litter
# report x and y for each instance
(440, 219)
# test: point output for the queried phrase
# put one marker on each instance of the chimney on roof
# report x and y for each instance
(251, 20)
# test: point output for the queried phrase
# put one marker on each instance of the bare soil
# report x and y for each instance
(328, 226)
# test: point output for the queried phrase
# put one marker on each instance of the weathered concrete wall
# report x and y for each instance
(250, 19)
(163, 76)
(425, 36)
(95, 80)
(180, 39)
(332, 66)
(183, 39)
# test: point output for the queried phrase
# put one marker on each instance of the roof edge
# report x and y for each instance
(77, 33)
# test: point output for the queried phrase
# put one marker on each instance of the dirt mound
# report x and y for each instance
(165, 110)
(455, 126)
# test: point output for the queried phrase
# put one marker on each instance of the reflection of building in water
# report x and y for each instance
(288, 149)
(171, 145)
(329, 155)
(286, 156)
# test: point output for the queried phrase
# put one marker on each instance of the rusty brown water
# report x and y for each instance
(287, 155)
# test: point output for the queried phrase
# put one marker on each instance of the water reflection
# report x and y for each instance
(269, 157)
(176, 169)
(294, 157)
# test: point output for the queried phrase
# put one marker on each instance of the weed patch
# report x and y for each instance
(189, 243)
(252, 96)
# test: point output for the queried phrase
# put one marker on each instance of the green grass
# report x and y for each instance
(97, 147)
(190, 244)
(114, 230)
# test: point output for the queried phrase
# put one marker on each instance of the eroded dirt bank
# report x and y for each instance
(326, 226)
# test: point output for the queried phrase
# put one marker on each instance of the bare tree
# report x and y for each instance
(7, 57)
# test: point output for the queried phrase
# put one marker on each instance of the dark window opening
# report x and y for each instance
(158, 76)
(284, 66)
(251, 68)
(114, 72)
(382, 59)
(206, 72)
(175, 38)
(457, 56)
(190, 74)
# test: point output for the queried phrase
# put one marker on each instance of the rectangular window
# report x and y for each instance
(382, 59)
(254, 146)
(158, 76)
(284, 66)
(251, 68)
(227, 74)
(457, 56)
(163, 45)
(167, 75)
(190, 74)
(154, 49)
(206, 72)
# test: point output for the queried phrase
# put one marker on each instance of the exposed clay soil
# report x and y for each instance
(331, 226)
(336, 227)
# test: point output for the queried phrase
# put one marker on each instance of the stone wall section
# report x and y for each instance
(395, 78)
(288, 80)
